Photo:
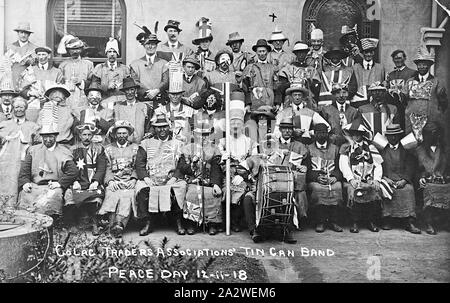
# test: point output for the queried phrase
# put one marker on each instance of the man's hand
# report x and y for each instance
(112, 85)
(113, 186)
(129, 184)
(93, 185)
(422, 182)
(376, 185)
(302, 169)
(389, 181)
(322, 180)
(354, 183)
(152, 93)
(247, 109)
(216, 190)
(237, 180)
(332, 180)
(401, 183)
(54, 185)
(27, 187)
(76, 185)
(149, 181)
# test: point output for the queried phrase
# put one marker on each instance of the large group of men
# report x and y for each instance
(117, 142)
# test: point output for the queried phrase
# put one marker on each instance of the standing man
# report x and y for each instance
(125, 165)
(87, 192)
(368, 71)
(193, 84)
(110, 74)
(351, 45)
(7, 93)
(161, 191)
(203, 54)
(315, 54)
(173, 50)
(137, 113)
(425, 94)
(21, 52)
(150, 72)
(324, 179)
(361, 166)
(222, 73)
(16, 136)
(278, 56)
(398, 171)
(241, 58)
(46, 173)
(77, 74)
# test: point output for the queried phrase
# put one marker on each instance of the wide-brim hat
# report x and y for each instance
(338, 87)
(91, 127)
(41, 49)
(262, 43)
(160, 120)
(300, 47)
(393, 129)
(264, 110)
(277, 36)
(357, 127)
(424, 55)
(57, 87)
(151, 38)
(221, 52)
(74, 43)
(204, 27)
(234, 37)
(172, 24)
(94, 87)
(49, 130)
(121, 124)
(336, 51)
(192, 59)
(128, 83)
(197, 41)
(297, 87)
(24, 27)
(286, 122)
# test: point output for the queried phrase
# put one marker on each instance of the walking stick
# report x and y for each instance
(228, 161)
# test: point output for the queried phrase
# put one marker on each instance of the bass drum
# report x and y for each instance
(274, 197)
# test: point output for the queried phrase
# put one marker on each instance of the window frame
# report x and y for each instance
(50, 34)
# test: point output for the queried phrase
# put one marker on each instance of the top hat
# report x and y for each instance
(234, 37)
(424, 55)
(45, 49)
(7, 87)
(393, 129)
(173, 24)
(204, 26)
(23, 27)
(336, 51)
(237, 106)
(129, 83)
(262, 43)
(369, 43)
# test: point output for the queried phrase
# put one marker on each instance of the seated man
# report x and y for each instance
(361, 166)
(200, 163)
(47, 171)
(324, 179)
(434, 176)
(86, 193)
(398, 172)
(126, 164)
(160, 191)
(339, 113)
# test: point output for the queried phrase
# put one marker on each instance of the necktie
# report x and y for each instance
(368, 66)
(298, 107)
(341, 109)
(8, 109)
(42, 67)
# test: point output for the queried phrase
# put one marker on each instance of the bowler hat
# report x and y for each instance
(94, 87)
(320, 127)
(261, 43)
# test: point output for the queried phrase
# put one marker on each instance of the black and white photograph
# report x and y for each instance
(220, 148)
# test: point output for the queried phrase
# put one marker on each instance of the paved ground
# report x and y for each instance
(401, 256)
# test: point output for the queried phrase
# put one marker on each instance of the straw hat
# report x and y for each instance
(24, 27)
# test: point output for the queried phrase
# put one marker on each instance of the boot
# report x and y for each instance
(354, 229)
(372, 227)
(70, 218)
(336, 228)
(147, 227)
(117, 230)
(411, 227)
(256, 237)
(235, 216)
(212, 230)
(180, 228)
(430, 229)
(386, 224)
(190, 227)
(95, 229)
(289, 238)
(320, 228)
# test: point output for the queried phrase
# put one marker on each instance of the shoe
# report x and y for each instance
(180, 229)
(372, 227)
(117, 230)
(430, 230)
(386, 225)
(412, 229)
(336, 228)
(220, 229)
(288, 238)
(354, 229)
(257, 238)
(236, 229)
(212, 230)
(320, 228)
(146, 229)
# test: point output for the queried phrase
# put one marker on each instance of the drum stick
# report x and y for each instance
(228, 161)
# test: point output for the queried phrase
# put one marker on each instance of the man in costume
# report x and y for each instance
(316, 52)
(110, 74)
(16, 136)
(77, 74)
(86, 193)
(173, 49)
(46, 173)
(199, 163)
(434, 177)
(213, 105)
(223, 73)
(150, 72)
(7, 93)
(361, 166)
(324, 179)
(125, 165)
(160, 191)
(351, 45)
(398, 172)
(241, 58)
(339, 113)
(137, 113)
(193, 84)
(203, 53)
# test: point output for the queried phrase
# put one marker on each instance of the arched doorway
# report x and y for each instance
(331, 15)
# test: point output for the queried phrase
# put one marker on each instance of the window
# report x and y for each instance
(93, 21)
